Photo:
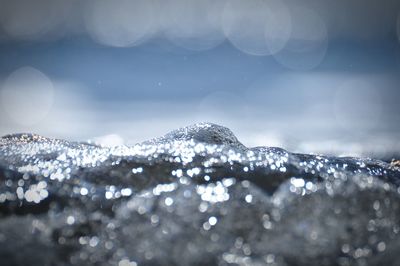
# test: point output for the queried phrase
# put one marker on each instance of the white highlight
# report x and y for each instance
(212, 221)
(297, 182)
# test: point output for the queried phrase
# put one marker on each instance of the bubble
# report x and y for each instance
(121, 23)
(308, 41)
(358, 105)
(257, 27)
(192, 24)
(27, 96)
(28, 19)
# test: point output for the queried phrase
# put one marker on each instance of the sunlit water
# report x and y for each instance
(196, 196)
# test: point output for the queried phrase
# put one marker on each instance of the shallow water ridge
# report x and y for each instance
(195, 196)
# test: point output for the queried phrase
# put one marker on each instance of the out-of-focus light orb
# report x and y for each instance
(27, 19)
(257, 27)
(308, 42)
(192, 24)
(121, 23)
(278, 27)
(358, 106)
(27, 96)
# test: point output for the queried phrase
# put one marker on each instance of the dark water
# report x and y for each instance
(196, 196)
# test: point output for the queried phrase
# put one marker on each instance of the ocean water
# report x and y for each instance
(196, 196)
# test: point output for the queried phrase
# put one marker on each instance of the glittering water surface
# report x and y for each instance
(196, 196)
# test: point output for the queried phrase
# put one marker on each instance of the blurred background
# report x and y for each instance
(314, 76)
